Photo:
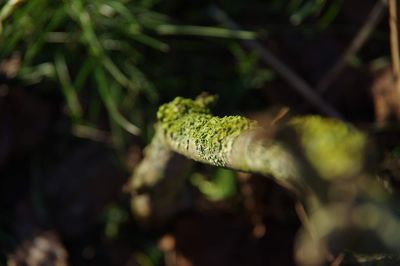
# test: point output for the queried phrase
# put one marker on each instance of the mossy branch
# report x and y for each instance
(293, 153)
(324, 161)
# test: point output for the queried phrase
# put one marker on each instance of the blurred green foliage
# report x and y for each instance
(112, 56)
(249, 67)
(300, 10)
(222, 186)
(113, 217)
(94, 51)
(80, 44)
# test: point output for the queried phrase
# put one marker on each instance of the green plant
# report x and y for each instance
(91, 49)
(220, 187)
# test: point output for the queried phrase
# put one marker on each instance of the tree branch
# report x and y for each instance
(323, 161)
(290, 153)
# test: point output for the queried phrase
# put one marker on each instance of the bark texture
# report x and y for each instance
(325, 162)
(291, 153)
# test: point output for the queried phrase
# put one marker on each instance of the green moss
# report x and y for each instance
(191, 128)
(334, 148)
(215, 139)
(180, 107)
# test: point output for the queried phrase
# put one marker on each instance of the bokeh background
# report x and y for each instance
(80, 84)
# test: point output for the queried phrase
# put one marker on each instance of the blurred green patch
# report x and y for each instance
(356, 62)
(395, 153)
(249, 67)
(113, 217)
(205, 31)
(151, 257)
(326, 11)
(90, 50)
(222, 186)
(95, 53)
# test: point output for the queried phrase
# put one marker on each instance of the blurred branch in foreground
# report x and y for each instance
(325, 162)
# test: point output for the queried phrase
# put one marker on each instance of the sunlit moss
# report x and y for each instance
(181, 107)
(215, 139)
(191, 127)
(333, 148)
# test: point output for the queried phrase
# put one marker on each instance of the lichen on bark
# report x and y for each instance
(331, 149)
(322, 160)
(335, 149)
(190, 129)
(156, 185)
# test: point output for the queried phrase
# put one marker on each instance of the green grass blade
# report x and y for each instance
(119, 8)
(35, 74)
(78, 12)
(205, 31)
(116, 73)
(151, 42)
(111, 105)
(7, 10)
(38, 46)
(68, 90)
(141, 82)
(16, 29)
(83, 74)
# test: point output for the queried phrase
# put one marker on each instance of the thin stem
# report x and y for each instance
(205, 31)
(362, 36)
(394, 51)
(394, 40)
(283, 70)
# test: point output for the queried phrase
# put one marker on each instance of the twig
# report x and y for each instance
(394, 41)
(362, 36)
(284, 71)
(394, 51)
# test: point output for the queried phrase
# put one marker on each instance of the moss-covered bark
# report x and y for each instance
(324, 161)
(332, 149)
(156, 186)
